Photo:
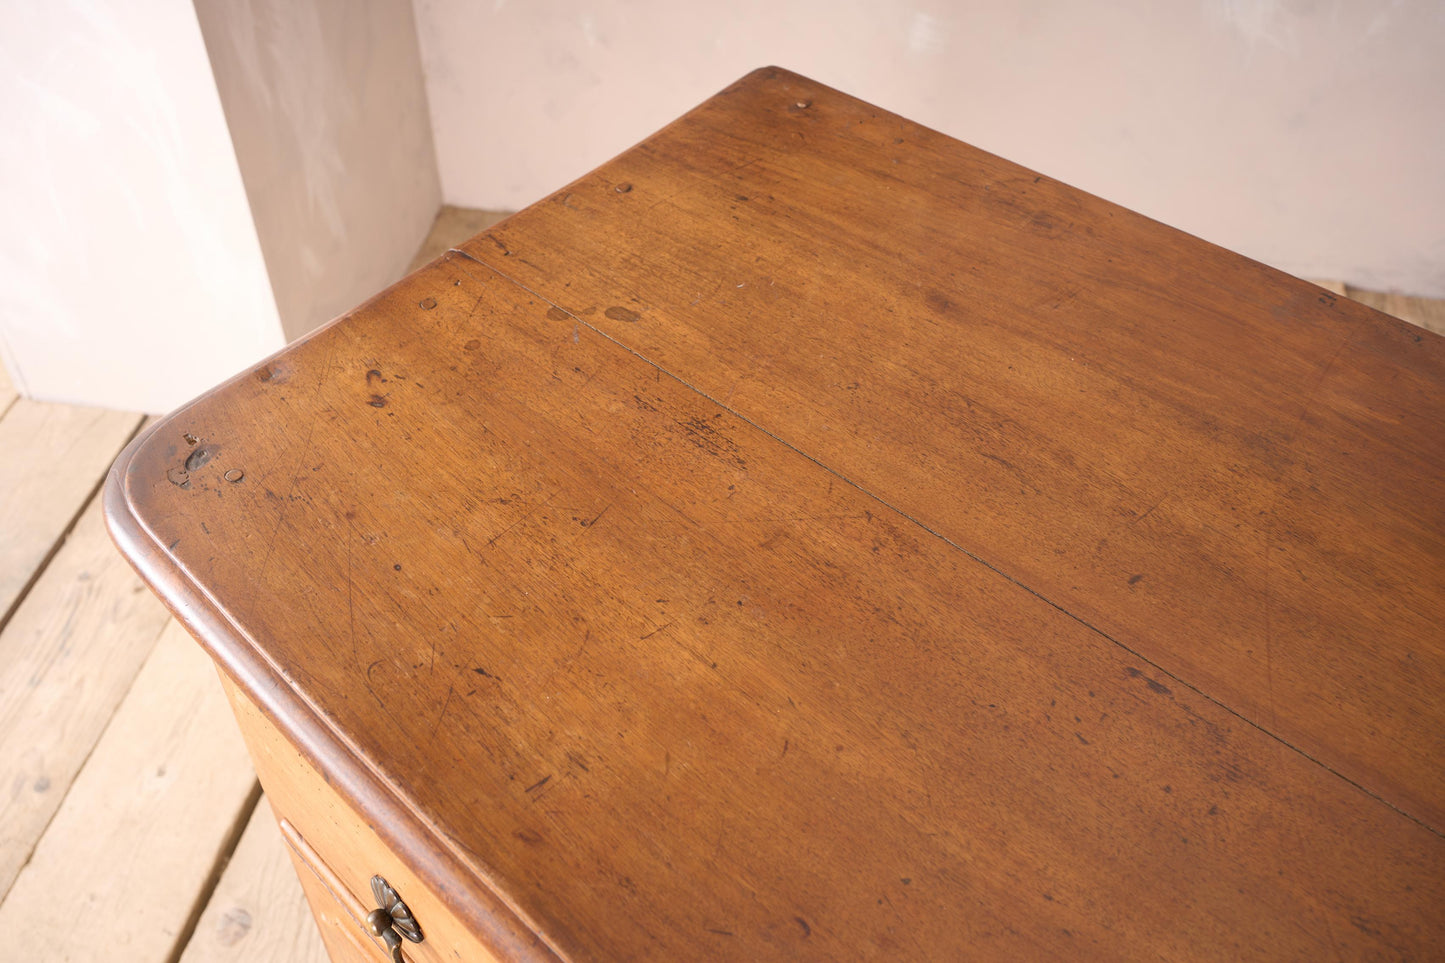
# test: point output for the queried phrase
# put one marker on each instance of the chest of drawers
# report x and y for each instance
(809, 537)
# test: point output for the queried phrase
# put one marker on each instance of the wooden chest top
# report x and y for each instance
(807, 536)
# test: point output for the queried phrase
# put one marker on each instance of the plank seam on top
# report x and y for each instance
(952, 544)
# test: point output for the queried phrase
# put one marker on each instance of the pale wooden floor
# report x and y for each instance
(131, 824)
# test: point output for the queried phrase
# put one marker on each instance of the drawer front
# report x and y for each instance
(341, 930)
(336, 854)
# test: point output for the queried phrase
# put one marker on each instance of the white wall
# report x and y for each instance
(327, 110)
(1309, 134)
(130, 273)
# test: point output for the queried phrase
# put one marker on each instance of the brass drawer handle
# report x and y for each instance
(390, 918)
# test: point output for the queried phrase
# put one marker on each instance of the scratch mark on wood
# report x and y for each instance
(370, 686)
(593, 520)
(658, 629)
(1325, 372)
(918, 947)
(350, 586)
(462, 322)
(708, 297)
(1269, 642)
(586, 637)
(707, 179)
(451, 691)
(1136, 520)
(1011, 468)
(731, 170)
(539, 783)
(295, 475)
(493, 540)
(845, 517)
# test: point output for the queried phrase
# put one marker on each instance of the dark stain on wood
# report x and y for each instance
(618, 313)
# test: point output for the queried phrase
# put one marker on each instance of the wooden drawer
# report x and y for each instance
(336, 854)
(336, 914)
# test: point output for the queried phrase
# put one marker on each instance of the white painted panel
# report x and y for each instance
(130, 273)
(327, 109)
(1306, 133)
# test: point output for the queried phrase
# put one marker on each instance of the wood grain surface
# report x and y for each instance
(257, 913)
(834, 557)
(117, 875)
(87, 609)
(339, 929)
(50, 458)
(1227, 470)
(1425, 312)
(342, 852)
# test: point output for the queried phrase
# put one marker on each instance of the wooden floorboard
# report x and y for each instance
(125, 783)
(125, 863)
(67, 658)
(52, 458)
(452, 226)
(7, 391)
(1428, 313)
(1334, 287)
(257, 913)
